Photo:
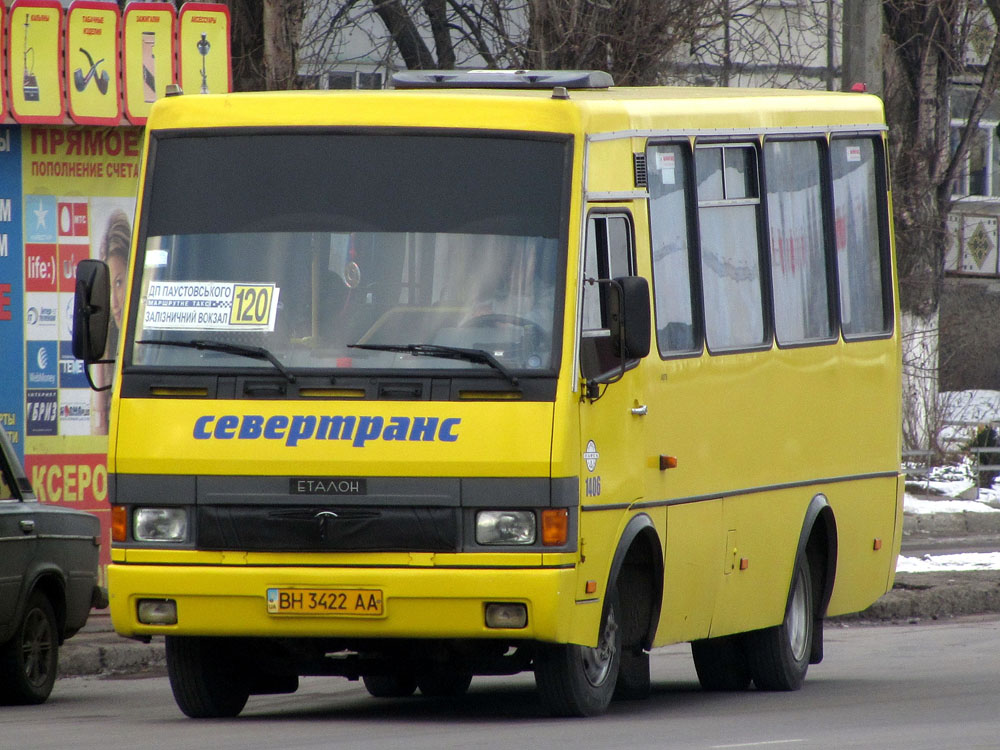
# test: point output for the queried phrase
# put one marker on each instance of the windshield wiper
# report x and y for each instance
(253, 352)
(479, 356)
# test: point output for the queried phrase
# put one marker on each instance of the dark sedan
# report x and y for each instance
(48, 581)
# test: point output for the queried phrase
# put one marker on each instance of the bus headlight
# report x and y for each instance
(160, 525)
(505, 527)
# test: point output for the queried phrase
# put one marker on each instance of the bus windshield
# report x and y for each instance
(348, 252)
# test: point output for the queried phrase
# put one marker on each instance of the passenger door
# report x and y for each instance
(612, 409)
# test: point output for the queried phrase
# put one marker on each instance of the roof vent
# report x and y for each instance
(502, 79)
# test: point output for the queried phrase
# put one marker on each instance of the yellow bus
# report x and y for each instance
(501, 372)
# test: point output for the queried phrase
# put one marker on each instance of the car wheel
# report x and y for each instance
(28, 662)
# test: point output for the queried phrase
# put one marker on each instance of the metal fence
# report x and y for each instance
(917, 465)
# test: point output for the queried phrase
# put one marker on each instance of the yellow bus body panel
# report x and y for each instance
(756, 435)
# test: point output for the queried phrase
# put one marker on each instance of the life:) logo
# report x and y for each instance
(41, 269)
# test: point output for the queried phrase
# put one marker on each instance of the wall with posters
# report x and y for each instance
(71, 117)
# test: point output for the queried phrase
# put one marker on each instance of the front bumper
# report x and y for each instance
(418, 602)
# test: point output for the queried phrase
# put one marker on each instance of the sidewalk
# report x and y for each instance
(98, 649)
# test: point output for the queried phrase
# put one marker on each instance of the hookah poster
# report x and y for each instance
(92, 64)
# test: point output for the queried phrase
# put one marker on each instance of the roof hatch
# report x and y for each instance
(502, 79)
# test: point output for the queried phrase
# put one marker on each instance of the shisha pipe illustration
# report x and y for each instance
(29, 83)
(203, 47)
(80, 80)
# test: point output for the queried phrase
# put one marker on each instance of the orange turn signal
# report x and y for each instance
(119, 523)
(555, 527)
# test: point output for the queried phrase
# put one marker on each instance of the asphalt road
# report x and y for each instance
(916, 686)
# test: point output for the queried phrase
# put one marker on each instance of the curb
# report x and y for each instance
(935, 596)
(85, 657)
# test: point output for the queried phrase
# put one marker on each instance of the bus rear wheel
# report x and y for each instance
(205, 677)
(577, 680)
(721, 663)
(778, 657)
(398, 685)
(444, 683)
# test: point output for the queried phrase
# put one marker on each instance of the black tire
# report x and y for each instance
(206, 677)
(633, 676)
(390, 685)
(29, 661)
(778, 657)
(721, 663)
(580, 681)
(442, 683)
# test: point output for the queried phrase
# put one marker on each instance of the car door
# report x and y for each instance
(18, 534)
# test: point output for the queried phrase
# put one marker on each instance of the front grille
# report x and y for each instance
(328, 528)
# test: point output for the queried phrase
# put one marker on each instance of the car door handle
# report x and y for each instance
(27, 526)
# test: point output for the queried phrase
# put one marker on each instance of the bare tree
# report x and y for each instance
(928, 44)
(762, 43)
(928, 41)
(265, 39)
(630, 39)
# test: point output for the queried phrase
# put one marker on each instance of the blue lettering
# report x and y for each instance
(275, 427)
(302, 429)
(424, 428)
(335, 428)
(252, 427)
(369, 428)
(445, 433)
(225, 428)
(295, 429)
(396, 429)
(200, 425)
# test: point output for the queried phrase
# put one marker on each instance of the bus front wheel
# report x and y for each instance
(577, 680)
(205, 677)
(778, 657)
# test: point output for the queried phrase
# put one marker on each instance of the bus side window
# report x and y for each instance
(609, 254)
(673, 288)
(803, 309)
(860, 233)
(728, 213)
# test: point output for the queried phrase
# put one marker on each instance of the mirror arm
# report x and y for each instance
(90, 380)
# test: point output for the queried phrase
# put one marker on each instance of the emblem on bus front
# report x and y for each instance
(591, 455)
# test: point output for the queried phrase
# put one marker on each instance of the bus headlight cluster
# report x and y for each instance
(505, 527)
(160, 525)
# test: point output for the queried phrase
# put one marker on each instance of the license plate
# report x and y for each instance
(357, 602)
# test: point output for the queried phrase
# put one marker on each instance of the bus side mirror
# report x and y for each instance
(629, 316)
(91, 310)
